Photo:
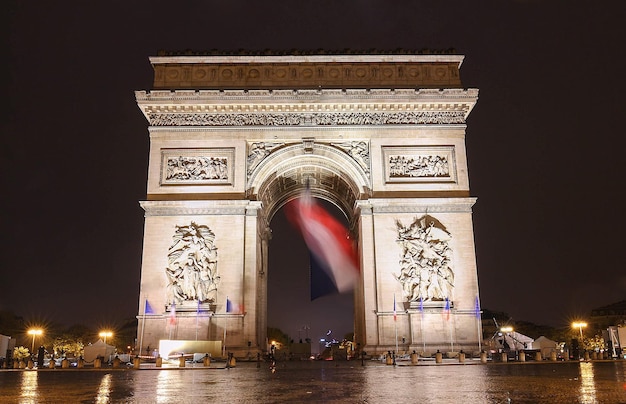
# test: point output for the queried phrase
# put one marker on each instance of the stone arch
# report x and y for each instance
(331, 174)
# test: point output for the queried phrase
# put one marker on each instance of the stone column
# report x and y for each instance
(252, 264)
(365, 302)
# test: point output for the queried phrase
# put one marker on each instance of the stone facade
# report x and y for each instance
(228, 150)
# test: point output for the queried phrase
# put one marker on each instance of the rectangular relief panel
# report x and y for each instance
(419, 164)
(205, 166)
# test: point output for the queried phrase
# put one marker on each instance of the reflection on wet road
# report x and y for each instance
(336, 382)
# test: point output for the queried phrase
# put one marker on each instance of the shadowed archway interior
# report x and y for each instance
(289, 303)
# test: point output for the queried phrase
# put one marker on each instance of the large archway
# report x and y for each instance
(302, 301)
(326, 171)
(233, 138)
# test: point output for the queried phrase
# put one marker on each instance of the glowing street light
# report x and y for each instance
(105, 334)
(34, 332)
(506, 329)
(580, 325)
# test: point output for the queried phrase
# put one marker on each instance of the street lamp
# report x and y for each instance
(505, 331)
(34, 332)
(105, 334)
(580, 325)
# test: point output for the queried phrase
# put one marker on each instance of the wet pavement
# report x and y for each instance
(328, 382)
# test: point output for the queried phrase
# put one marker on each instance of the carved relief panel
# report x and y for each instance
(426, 272)
(197, 166)
(192, 265)
(419, 164)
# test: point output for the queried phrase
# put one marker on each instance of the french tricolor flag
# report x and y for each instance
(446, 310)
(328, 241)
(173, 314)
(233, 307)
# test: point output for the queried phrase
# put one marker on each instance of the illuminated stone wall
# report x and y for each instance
(387, 149)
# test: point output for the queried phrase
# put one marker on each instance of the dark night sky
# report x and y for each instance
(544, 141)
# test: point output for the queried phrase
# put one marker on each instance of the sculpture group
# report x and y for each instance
(425, 264)
(192, 265)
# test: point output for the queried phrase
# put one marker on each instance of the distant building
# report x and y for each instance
(605, 316)
(6, 346)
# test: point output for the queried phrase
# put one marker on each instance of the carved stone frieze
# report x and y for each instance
(426, 273)
(391, 118)
(182, 119)
(308, 119)
(192, 265)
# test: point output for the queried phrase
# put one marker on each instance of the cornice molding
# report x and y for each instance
(306, 107)
(298, 95)
(308, 58)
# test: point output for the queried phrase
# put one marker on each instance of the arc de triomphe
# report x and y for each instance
(234, 137)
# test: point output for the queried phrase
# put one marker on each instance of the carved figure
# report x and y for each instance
(192, 265)
(359, 151)
(258, 151)
(425, 271)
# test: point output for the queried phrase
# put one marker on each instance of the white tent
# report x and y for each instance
(546, 345)
(92, 351)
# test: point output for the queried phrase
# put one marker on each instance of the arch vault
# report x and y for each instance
(235, 137)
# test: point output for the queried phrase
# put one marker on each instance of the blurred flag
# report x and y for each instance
(446, 310)
(422, 305)
(395, 315)
(229, 305)
(233, 307)
(173, 314)
(327, 240)
(321, 283)
(477, 308)
(148, 308)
